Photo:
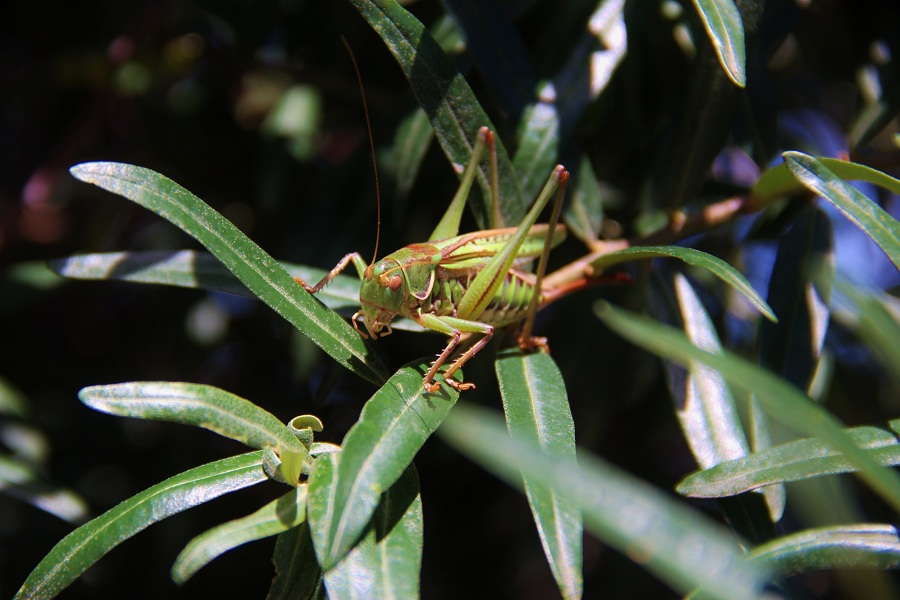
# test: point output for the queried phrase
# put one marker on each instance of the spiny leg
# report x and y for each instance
(453, 327)
(449, 224)
(357, 262)
(559, 178)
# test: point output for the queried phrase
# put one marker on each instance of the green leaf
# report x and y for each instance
(780, 399)
(537, 410)
(201, 406)
(86, 545)
(393, 425)
(256, 269)
(858, 546)
(297, 572)
(873, 220)
(709, 417)
(197, 270)
(704, 404)
(793, 461)
(677, 544)
(449, 102)
(723, 25)
(387, 560)
(779, 181)
(274, 518)
(713, 264)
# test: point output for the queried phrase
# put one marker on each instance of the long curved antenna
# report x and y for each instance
(362, 93)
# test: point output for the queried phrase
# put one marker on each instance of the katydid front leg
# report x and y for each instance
(360, 265)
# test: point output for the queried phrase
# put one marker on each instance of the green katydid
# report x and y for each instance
(462, 285)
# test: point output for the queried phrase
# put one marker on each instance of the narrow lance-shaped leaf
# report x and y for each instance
(387, 560)
(866, 214)
(275, 517)
(86, 545)
(197, 270)
(256, 269)
(723, 24)
(443, 93)
(677, 544)
(537, 410)
(202, 406)
(780, 399)
(779, 181)
(393, 425)
(297, 572)
(697, 258)
(706, 408)
(861, 546)
(800, 459)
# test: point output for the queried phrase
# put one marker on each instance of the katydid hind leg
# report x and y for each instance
(488, 281)
(449, 224)
(526, 340)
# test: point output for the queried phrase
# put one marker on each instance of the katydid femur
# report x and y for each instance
(461, 285)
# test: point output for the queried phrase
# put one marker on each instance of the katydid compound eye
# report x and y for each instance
(394, 283)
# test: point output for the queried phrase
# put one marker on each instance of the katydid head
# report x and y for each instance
(381, 294)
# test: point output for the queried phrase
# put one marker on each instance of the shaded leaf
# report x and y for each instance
(677, 544)
(799, 291)
(584, 210)
(411, 142)
(800, 459)
(387, 560)
(449, 102)
(538, 148)
(499, 52)
(297, 572)
(780, 399)
(859, 546)
(875, 323)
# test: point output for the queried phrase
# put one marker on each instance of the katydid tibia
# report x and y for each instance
(461, 285)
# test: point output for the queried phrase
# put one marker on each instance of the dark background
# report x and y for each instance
(184, 88)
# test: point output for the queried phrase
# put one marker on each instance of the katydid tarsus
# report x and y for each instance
(462, 285)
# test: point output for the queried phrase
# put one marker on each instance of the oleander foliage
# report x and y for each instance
(734, 172)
